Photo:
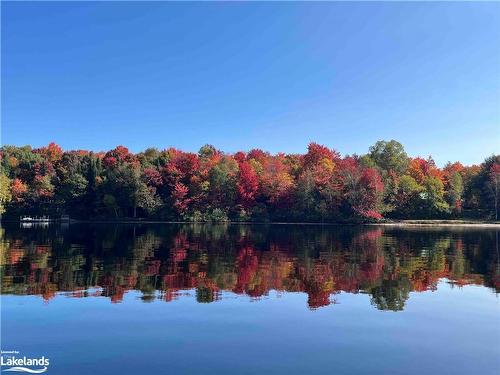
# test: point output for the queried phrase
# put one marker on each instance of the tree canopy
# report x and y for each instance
(211, 185)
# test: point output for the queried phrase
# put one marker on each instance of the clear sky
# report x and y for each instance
(243, 75)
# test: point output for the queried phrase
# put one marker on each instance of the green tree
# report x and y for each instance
(5, 194)
(223, 178)
(146, 199)
(389, 156)
(493, 185)
(433, 196)
(207, 151)
(407, 199)
(481, 182)
(305, 201)
(110, 202)
(455, 192)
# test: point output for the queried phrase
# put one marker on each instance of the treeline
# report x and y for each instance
(319, 186)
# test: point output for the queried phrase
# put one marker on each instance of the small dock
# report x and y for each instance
(34, 219)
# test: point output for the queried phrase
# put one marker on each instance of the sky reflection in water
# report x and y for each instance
(252, 299)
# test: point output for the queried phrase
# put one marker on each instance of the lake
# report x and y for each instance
(252, 299)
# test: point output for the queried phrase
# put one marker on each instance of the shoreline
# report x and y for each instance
(397, 223)
(439, 223)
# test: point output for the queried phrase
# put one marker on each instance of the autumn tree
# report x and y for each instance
(276, 181)
(494, 186)
(319, 185)
(363, 189)
(248, 184)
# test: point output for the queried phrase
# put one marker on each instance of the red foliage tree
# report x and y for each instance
(248, 184)
(18, 190)
(52, 152)
(179, 195)
(152, 177)
(118, 155)
(317, 154)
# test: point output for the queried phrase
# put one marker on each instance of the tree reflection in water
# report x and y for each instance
(163, 261)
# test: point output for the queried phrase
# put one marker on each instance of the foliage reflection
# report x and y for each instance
(164, 261)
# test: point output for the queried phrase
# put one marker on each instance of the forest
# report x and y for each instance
(213, 186)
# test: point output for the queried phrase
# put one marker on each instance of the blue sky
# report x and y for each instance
(243, 75)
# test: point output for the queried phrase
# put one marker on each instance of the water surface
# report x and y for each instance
(240, 299)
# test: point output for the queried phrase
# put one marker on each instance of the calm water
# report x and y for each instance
(201, 299)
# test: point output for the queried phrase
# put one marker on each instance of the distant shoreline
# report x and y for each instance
(396, 223)
(440, 223)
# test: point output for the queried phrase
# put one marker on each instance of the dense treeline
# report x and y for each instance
(211, 185)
